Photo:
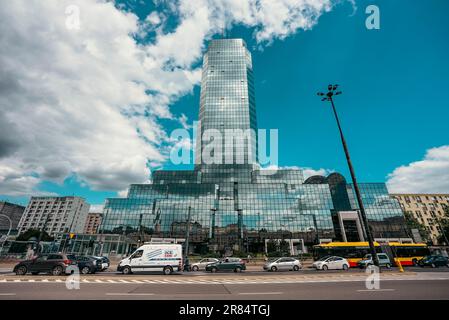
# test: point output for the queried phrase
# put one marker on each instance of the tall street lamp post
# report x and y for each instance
(331, 91)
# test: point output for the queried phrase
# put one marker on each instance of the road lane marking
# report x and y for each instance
(375, 290)
(7, 294)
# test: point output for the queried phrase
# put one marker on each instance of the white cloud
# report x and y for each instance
(430, 175)
(308, 172)
(87, 101)
(96, 208)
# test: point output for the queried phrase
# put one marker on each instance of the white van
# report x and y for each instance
(153, 257)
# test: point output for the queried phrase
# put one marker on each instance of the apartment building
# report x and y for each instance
(55, 214)
(93, 221)
(10, 212)
(427, 209)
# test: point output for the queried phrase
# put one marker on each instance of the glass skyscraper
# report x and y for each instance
(225, 205)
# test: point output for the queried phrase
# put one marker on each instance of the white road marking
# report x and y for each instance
(7, 294)
(375, 290)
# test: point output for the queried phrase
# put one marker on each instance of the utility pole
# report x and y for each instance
(328, 97)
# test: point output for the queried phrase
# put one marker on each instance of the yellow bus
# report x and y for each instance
(407, 253)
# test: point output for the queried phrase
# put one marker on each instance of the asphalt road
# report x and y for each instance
(403, 289)
(306, 284)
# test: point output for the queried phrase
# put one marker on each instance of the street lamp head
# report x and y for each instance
(338, 93)
(329, 87)
(320, 94)
(324, 99)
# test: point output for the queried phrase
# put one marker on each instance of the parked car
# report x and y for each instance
(285, 263)
(55, 264)
(153, 257)
(201, 265)
(331, 263)
(434, 261)
(104, 263)
(384, 261)
(86, 264)
(227, 264)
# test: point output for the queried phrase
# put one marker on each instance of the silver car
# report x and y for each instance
(201, 265)
(283, 264)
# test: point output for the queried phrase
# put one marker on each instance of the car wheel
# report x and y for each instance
(213, 269)
(21, 271)
(274, 269)
(345, 267)
(295, 268)
(85, 270)
(195, 268)
(127, 270)
(168, 270)
(415, 262)
(325, 268)
(388, 266)
(57, 271)
(434, 265)
(238, 269)
(447, 264)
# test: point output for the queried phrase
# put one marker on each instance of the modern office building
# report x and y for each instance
(427, 209)
(93, 222)
(222, 206)
(55, 215)
(14, 213)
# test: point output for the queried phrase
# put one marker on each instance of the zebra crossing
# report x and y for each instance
(216, 280)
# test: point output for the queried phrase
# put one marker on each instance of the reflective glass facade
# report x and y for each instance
(238, 206)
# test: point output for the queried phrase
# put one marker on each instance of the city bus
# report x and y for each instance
(407, 253)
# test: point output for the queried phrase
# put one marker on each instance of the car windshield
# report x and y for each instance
(323, 258)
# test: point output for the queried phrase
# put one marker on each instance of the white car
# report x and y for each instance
(331, 263)
(201, 265)
(286, 263)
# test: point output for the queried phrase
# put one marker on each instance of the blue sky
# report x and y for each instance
(393, 108)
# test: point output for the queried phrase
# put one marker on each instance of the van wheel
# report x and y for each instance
(21, 271)
(57, 271)
(325, 267)
(274, 269)
(85, 270)
(345, 267)
(168, 270)
(126, 270)
(295, 268)
(388, 266)
(195, 268)
(238, 269)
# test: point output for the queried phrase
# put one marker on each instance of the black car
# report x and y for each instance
(55, 264)
(104, 263)
(227, 264)
(86, 264)
(434, 261)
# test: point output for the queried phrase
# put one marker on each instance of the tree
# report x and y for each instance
(413, 223)
(33, 233)
(444, 224)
